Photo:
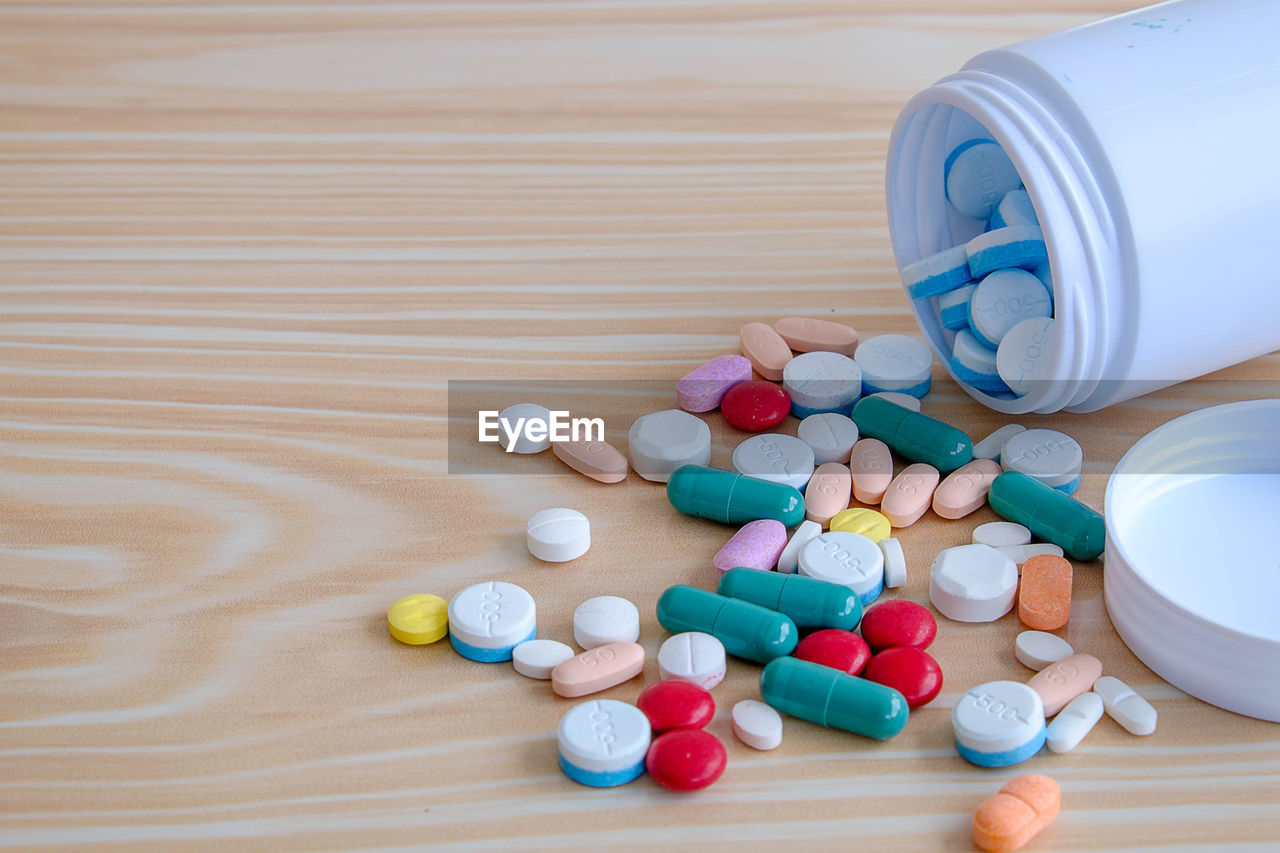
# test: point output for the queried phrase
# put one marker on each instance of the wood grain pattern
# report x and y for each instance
(243, 249)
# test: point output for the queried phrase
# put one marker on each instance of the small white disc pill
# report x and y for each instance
(491, 617)
(895, 363)
(603, 742)
(1125, 706)
(978, 174)
(790, 559)
(1074, 722)
(999, 723)
(973, 583)
(605, 619)
(536, 658)
(1038, 649)
(848, 559)
(1003, 300)
(895, 562)
(906, 401)
(830, 435)
(776, 457)
(558, 534)
(989, 447)
(694, 657)
(1021, 553)
(511, 423)
(1054, 458)
(999, 534)
(660, 442)
(1023, 357)
(1015, 209)
(822, 381)
(757, 725)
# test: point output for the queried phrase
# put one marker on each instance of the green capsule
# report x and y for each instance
(732, 498)
(809, 602)
(1049, 514)
(747, 630)
(918, 437)
(829, 697)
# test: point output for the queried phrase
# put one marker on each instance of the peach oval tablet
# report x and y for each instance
(1014, 815)
(965, 489)
(828, 492)
(1059, 683)
(871, 465)
(597, 669)
(807, 334)
(909, 495)
(1044, 599)
(598, 460)
(765, 349)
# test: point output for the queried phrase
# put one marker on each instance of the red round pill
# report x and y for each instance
(908, 670)
(898, 623)
(676, 704)
(755, 406)
(685, 759)
(842, 650)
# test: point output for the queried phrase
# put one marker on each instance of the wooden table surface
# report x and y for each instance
(243, 249)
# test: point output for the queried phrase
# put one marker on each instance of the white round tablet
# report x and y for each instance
(536, 658)
(661, 442)
(998, 723)
(1003, 300)
(776, 457)
(973, 355)
(895, 363)
(605, 619)
(694, 657)
(757, 725)
(603, 736)
(1037, 649)
(822, 381)
(1052, 457)
(790, 559)
(830, 435)
(558, 534)
(848, 559)
(978, 175)
(989, 447)
(999, 534)
(511, 423)
(973, 583)
(895, 562)
(1023, 357)
(492, 615)
(906, 401)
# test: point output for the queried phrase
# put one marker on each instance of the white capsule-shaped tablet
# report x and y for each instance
(1054, 458)
(1074, 722)
(775, 457)
(999, 534)
(694, 657)
(1022, 359)
(973, 583)
(488, 620)
(660, 442)
(511, 425)
(830, 435)
(895, 563)
(757, 725)
(605, 619)
(790, 559)
(1125, 706)
(847, 559)
(536, 658)
(989, 447)
(558, 535)
(603, 742)
(822, 382)
(1021, 553)
(998, 724)
(1038, 649)
(895, 363)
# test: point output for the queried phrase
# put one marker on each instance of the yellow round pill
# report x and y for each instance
(419, 619)
(859, 519)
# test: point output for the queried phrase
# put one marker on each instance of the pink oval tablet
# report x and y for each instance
(872, 468)
(828, 492)
(1059, 683)
(702, 389)
(598, 460)
(806, 334)
(965, 489)
(765, 349)
(909, 494)
(597, 669)
(758, 545)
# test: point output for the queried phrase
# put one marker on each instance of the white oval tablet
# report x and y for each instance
(1125, 706)
(973, 583)
(492, 615)
(822, 381)
(999, 718)
(998, 534)
(790, 559)
(906, 401)
(558, 534)
(757, 725)
(848, 559)
(895, 363)
(989, 447)
(830, 435)
(603, 736)
(1074, 722)
(1021, 553)
(1023, 357)
(660, 442)
(895, 562)
(605, 619)
(1052, 457)
(511, 424)
(1003, 300)
(775, 457)
(694, 657)
(1037, 649)
(536, 658)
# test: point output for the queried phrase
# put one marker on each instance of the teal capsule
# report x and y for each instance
(732, 498)
(829, 697)
(918, 437)
(747, 630)
(809, 602)
(1049, 514)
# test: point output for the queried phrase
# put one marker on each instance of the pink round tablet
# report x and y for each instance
(965, 489)
(806, 334)
(910, 671)
(702, 389)
(898, 623)
(765, 349)
(909, 495)
(842, 650)
(828, 492)
(675, 705)
(758, 545)
(755, 406)
(871, 465)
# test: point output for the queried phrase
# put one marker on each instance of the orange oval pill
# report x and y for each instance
(765, 349)
(598, 460)
(1059, 683)
(1044, 599)
(1016, 813)
(807, 334)
(828, 492)
(909, 494)
(871, 465)
(965, 489)
(597, 669)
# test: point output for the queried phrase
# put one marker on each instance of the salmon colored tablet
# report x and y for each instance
(598, 460)
(909, 494)
(828, 492)
(1044, 599)
(965, 489)
(765, 349)
(1059, 683)
(598, 669)
(1016, 813)
(871, 465)
(807, 334)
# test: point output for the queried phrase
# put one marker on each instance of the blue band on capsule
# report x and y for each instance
(602, 778)
(869, 388)
(1003, 759)
(487, 655)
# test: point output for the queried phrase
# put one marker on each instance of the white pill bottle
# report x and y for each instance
(1150, 146)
